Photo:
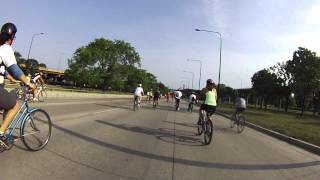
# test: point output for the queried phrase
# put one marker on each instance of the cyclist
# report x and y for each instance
(150, 95)
(138, 93)
(192, 99)
(8, 101)
(177, 96)
(37, 78)
(210, 102)
(156, 97)
(168, 96)
(240, 104)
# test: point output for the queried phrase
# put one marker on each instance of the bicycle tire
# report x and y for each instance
(208, 132)
(232, 121)
(42, 95)
(241, 123)
(36, 124)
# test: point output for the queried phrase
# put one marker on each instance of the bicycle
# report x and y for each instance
(34, 127)
(177, 104)
(155, 103)
(205, 126)
(136, 103)
(41, 92)
(190, 107)
(23, 94)
(239, 120)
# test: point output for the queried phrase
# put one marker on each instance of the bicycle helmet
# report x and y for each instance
(140, 85)
(210, 81)
(9, 29)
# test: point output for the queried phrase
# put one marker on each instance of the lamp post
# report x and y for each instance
(219, 34)
(33, 36)
(200, 69)
(192, 76)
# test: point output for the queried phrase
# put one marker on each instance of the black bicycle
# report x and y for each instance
(205, 126)
(239, 120)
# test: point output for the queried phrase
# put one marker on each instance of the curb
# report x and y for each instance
(297, 142)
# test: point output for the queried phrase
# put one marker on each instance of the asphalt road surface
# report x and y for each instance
(106, 139)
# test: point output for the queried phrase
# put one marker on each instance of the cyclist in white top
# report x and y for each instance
(8, 62)
(177, 96)
(192, 99)
(138, 93)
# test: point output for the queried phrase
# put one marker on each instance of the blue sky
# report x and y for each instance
(256, 33)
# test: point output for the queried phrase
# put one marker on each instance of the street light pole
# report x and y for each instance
(192, 76)
(200, 69)
(218, 33)
(33, 36)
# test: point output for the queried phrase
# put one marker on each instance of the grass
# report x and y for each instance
(306, 128)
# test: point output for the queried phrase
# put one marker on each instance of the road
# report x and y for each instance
(105, 139)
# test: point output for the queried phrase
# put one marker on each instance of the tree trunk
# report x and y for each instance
(302, 106)
(261, 103)
(287, 104)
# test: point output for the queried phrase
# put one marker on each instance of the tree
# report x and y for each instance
(226, 92)
(305, 71)
(264, 83)
(109, 64)
(284, 78)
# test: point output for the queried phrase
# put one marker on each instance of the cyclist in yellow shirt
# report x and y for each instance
(210, 102)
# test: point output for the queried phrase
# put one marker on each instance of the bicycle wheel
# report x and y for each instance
(241, 123)
(208, 132)
(232, 121)
(42, 95)
(36, 130)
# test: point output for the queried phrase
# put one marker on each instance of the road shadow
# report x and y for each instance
(181, 137)
(169, 159)
(193, 125)
(116, 106)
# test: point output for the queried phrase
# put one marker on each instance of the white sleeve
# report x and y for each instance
(8, 56)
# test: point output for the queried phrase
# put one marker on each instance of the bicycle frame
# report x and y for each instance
(19, 119)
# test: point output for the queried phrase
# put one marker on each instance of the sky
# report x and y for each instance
(256, 34)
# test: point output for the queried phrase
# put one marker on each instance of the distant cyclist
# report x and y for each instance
(210, 102)
(156, 98)
(138, 93)
(192, 100)
(177, 96)
(240, 104)
(37, 78)
(150, 95)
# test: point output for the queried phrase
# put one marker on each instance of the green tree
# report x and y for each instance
(305, 71)
(104, 63)
(283, 87)
(264, 83)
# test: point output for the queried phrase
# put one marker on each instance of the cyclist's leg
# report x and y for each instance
(8, 102)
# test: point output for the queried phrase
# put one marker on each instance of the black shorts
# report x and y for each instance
(209, 109)
(177, 100)
(7, 100)
(155, 97)
(240, 110)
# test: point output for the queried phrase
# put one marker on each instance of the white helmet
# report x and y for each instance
(140, 85)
